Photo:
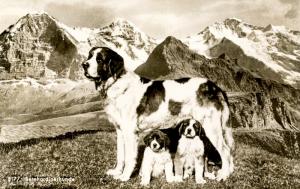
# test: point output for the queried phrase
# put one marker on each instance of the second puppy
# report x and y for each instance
(190, 152)
(157, 158)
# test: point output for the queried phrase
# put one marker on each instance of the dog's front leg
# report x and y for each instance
(131, 151)
(169, 171)
(199, 168)
(178, 165)
(118, 170)
(146, 167)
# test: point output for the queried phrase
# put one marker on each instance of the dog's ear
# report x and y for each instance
(115, 63)
(167, 140)
(181, 126)
(201, 132)
(147, 139)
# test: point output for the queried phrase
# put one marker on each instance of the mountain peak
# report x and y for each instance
(168, 59)
(30, 19)
(37, 15)
(172, 40)
(232, 21)
(121, 22)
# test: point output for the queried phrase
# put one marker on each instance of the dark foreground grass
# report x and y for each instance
(81, 161)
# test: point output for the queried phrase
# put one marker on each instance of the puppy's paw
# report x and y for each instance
(170, 179)
(114, 172)
(177, 178)
(222, 175)
(209, 175)
(145, 183)
(200, 181)
(186, 176)
(122, 177)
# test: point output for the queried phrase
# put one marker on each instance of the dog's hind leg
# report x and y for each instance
(118, 170)
(131, 151)
(214, 131)
(207, 174)
(226, 157)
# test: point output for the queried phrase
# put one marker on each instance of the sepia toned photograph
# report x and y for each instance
(163, 94)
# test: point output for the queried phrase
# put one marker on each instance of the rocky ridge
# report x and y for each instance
(39, 46)
(270, 52)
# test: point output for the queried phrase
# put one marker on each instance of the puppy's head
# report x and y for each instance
(102, 64)
(190, 128)
(157, 140)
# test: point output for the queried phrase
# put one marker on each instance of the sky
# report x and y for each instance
(157, 18)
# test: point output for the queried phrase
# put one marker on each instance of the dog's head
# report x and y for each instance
(190, 128)
(157, 140)
(102, 65)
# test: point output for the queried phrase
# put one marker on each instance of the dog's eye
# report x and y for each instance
(99, 58)
(196, 125)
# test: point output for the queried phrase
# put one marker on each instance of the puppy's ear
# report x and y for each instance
(167, 140)
(201, 132)
(180, 126)
(147, 139)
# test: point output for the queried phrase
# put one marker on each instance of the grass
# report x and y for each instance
(84, 157)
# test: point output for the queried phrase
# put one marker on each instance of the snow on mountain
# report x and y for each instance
(126, 39)
(275, 46)
(39, 46)
(121, 35)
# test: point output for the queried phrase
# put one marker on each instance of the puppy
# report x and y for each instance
(195, 152)
(157, 158)
(190, 152)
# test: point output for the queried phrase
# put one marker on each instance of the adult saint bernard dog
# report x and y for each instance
(136, 104)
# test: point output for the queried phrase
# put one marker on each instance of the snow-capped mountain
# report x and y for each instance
(36, 46)
(121, 35)
(271, 52)
(39, 46)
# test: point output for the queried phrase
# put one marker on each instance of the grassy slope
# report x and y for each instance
(86, 157)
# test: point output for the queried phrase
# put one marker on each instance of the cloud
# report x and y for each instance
(293, 12)
(158, 18)
(80, 14)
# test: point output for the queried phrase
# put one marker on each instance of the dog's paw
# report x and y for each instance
(114, 172)
(144, 183)
(177, 178)
(170, 179)
(221, 175)
(122, 177)
(186, 176)
(209, 175)
(200, 181)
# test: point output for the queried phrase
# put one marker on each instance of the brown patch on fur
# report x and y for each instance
(152, 98)
(210, 93)
(174, 107)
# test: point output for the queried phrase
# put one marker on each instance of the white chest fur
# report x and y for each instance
(123, 98)
(157, 160)
(193, 147)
